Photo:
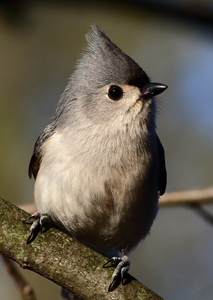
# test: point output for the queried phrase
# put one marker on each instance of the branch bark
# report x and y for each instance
(202, 196)
(59, 258)
(26, 290)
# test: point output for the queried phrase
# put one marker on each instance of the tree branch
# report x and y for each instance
(71, 265)
(202, 196)
(26, 290)
(59, 258)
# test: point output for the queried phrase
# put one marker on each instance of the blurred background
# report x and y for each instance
(173, 42)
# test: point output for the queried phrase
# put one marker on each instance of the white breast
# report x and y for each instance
(88, 196)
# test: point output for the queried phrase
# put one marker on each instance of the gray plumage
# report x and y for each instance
(104, 61)
(99, 165)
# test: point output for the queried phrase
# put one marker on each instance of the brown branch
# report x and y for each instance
(59, 258)
(24, 287)
(28, 207)
(202, 196)
(207, 216)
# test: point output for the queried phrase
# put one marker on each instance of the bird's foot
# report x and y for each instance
(41, 222)
(122, 267)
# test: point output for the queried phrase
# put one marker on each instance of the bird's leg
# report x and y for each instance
(41, 222)
(122, 267)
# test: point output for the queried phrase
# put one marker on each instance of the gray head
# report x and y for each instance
(107, 85)
(105, 63)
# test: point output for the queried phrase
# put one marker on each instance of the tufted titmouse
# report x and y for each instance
(99, 165)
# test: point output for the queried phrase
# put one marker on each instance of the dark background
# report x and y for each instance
(173, 41)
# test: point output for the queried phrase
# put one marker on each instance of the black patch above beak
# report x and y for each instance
(153, 89)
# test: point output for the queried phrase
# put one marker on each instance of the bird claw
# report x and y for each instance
(122, 268)
(41, 222)
(114, 262)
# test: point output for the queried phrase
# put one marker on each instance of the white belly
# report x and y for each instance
(101, 207)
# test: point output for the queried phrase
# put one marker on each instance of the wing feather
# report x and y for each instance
(162, 174)
(37, 153)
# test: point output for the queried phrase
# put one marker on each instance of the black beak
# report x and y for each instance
(154, 89)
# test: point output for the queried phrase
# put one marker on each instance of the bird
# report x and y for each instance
(99, 165)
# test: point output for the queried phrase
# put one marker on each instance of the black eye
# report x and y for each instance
(115, 92)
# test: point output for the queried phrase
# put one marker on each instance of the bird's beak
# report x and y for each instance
(154, 89)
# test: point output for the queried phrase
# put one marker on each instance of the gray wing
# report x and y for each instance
(62, 108)
(162, 174)
(37, 153)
